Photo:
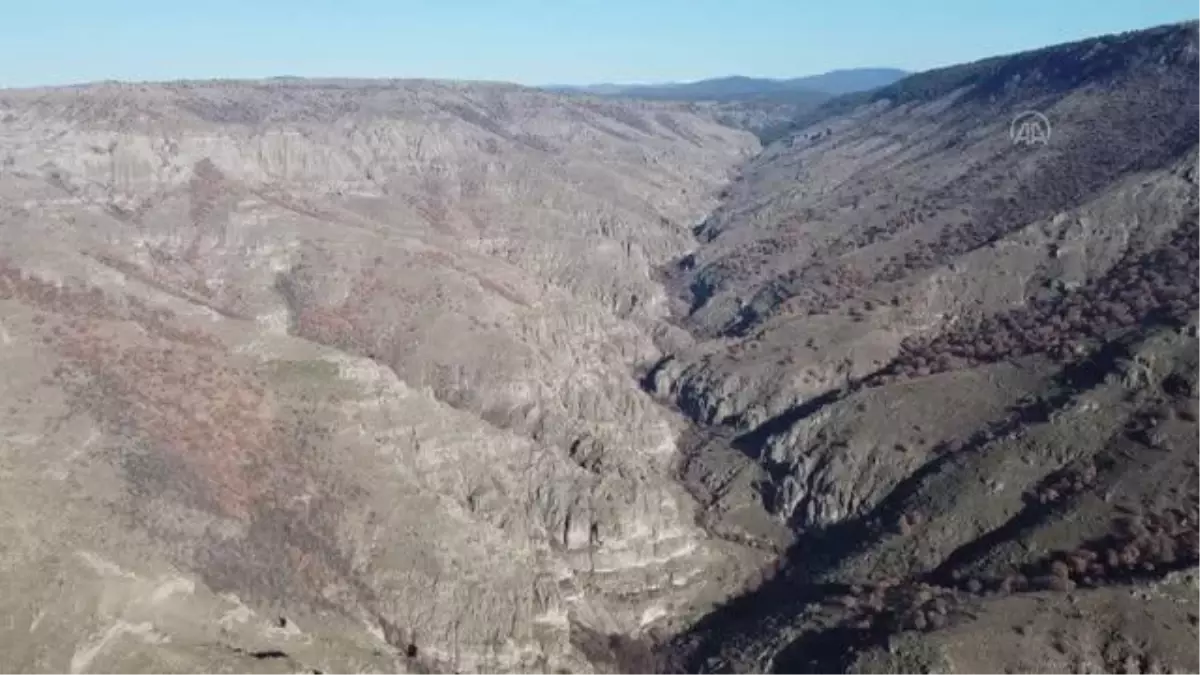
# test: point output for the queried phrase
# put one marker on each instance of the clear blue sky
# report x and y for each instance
(532, 41)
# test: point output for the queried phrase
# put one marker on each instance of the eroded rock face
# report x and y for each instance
(353, 354)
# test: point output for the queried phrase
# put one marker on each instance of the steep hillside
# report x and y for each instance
(954, 376)
(336, 375)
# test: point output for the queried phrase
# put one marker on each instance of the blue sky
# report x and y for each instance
(532, 41)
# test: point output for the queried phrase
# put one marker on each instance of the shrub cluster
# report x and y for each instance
(1156, 288)
(1149, 545)
(889, 607)
(1063, 484)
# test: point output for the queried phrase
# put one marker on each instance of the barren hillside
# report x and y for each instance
(340, 371)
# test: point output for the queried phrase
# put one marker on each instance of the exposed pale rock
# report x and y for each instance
(359, 354)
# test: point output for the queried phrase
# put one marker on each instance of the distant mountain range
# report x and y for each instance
(764, 106)
(807, 89)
